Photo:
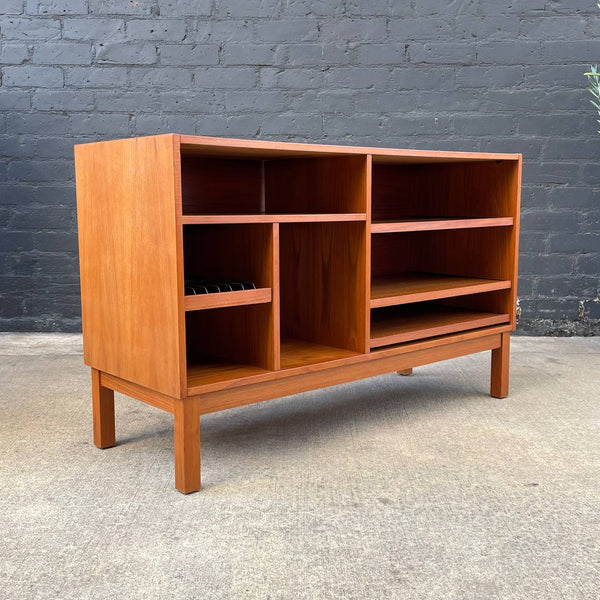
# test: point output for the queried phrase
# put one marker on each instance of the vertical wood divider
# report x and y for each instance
(178, 210)
(368, 196)
(275, 302)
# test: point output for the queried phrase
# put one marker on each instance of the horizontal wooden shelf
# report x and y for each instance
(212, 369)
(298, 353)
(437, 223)
(263, 218)
(224, 299)
(406, 288)
(413, 323)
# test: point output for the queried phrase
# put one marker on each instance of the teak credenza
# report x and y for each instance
(363, 261)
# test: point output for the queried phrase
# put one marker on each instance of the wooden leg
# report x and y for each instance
(103, 410)
(187, 446)
(500, 365)
(405, 372)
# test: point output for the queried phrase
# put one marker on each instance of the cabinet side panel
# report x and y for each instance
(128, 260)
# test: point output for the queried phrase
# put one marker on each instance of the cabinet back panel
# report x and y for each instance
(316, 185)
(462, 189)
(221, 186)
(481, 252)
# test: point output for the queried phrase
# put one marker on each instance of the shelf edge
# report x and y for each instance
(227, 299)
(441, 224)
(477, 288)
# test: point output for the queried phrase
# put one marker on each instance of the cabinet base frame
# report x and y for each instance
(187, 411)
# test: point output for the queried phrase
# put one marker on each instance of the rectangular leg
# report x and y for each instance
(187, 446)
(103, 410)
(405, 372)
(500, 365)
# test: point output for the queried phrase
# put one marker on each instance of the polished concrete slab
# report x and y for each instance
(393, 487)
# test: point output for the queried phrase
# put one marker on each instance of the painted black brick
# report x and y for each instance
(472, 75)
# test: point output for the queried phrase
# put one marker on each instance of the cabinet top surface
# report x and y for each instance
(230, 147)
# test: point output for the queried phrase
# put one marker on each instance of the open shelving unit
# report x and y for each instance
(354, 262)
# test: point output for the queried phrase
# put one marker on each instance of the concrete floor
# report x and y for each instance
(393, 487)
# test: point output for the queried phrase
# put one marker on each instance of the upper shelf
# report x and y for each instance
(264, 218)
(437, 223)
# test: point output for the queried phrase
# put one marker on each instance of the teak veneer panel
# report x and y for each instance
(211, 369)
(297, 353)
(128, 260)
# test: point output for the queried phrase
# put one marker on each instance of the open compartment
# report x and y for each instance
(226, 265)
(421, 266)
(398, 324)
(224, 344)
(230, 185)
(323, 292)
(442, 191)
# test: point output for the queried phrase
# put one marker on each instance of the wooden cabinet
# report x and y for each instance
(355, 262)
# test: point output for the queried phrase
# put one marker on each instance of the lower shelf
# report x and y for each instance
(299, 353)
(404, 324)
(209, 369)
(212, 369)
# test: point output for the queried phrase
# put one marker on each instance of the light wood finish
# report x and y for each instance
(339, 373)
(103, 412)
(275, 317)
(406, 288)
(151, 397)
(264, 218)
(208, 369)
(224, 299)
(186, 427)
(434, 224)
(128, 260)
(500, 368)
(297, 353)
(406, 324)
(336, 300)
(405, 372)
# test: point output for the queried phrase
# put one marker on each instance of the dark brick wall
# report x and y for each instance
(465, 74)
